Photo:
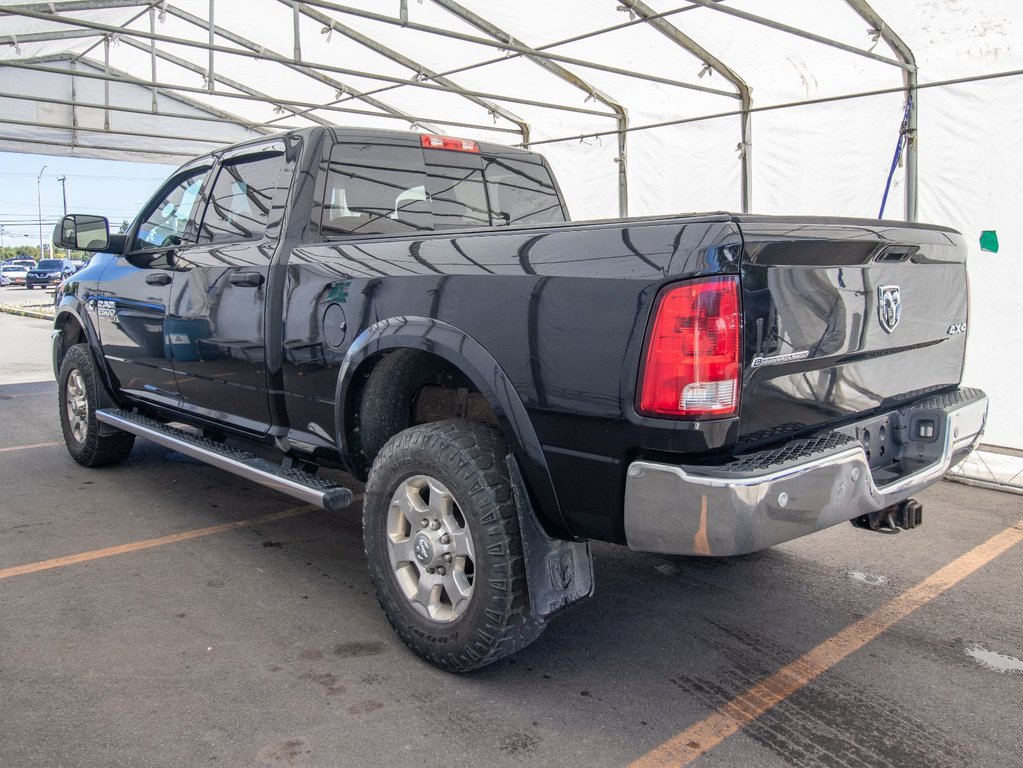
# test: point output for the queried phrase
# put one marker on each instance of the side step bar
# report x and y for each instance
(293, 482)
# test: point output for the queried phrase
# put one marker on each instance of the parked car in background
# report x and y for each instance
(13, 274)
(49, 272)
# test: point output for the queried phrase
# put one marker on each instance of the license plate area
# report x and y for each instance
(881, 444)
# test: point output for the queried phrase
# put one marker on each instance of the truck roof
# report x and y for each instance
(371, 135)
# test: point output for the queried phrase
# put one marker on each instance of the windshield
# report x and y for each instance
(12, 268)
(50, 264)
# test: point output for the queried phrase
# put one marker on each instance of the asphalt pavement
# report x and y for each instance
(176, 639)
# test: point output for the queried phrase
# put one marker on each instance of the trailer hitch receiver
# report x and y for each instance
(906, 514)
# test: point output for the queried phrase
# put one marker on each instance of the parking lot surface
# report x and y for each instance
(195, 631)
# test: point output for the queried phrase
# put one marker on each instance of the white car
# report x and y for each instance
(13, 274)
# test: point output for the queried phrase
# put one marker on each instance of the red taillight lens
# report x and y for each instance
(691, 364)
(446, 142)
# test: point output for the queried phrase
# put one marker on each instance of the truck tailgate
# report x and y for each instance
(845, 317)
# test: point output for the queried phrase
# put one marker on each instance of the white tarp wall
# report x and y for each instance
(828, 158)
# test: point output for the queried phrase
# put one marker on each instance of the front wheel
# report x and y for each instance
(80, 392)
(442, 542)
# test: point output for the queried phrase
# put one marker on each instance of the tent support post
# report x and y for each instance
(296, 24)
(106, 83)
(898, 45)
(210, 79)
(152, 56)
(676, 35)
(621, 116)
(74, 102)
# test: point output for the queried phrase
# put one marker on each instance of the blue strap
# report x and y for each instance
(903, 133)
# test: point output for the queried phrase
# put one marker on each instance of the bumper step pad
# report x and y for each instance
(288, 480)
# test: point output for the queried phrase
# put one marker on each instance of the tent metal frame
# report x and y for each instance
(211, 39)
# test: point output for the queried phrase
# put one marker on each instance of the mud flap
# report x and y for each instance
(558, 572)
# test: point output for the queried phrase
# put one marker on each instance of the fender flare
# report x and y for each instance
(468, 355)
(73, 307)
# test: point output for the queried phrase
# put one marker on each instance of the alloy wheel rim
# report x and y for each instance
(430, 549)
(77, 405)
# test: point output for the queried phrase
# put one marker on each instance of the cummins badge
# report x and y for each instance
(889, 306)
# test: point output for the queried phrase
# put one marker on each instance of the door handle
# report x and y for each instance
(247, 279)
(158, 278)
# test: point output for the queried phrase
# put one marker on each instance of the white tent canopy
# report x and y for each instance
(776, 106)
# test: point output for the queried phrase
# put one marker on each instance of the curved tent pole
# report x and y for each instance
(244, 42)
(681, 39)
(511, 50)
(621, 115)
(898, 45)
(491, 107)
(719, 7)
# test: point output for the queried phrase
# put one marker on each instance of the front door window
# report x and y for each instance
(166, 222)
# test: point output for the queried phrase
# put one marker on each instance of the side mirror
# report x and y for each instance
(82, 232)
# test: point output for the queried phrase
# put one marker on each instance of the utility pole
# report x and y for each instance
(63, 192)
(39, 205)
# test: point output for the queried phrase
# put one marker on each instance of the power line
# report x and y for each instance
(88, 176)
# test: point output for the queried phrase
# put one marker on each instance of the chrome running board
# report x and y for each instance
(293, 482)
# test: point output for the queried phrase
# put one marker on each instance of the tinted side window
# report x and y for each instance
(521, 192)
(455, 186)
(240, 201)
(165, 222)
(375, 189)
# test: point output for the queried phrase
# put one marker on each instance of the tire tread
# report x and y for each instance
(476, 451)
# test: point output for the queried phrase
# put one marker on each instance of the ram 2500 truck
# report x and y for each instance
(419, 311)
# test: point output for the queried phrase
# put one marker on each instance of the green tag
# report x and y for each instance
(989, 241)
(339, 292)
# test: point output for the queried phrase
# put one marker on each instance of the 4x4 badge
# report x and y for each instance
(889, 306)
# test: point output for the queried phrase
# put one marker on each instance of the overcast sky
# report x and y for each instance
(108, 188)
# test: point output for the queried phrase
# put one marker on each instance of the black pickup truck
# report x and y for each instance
(418, 311)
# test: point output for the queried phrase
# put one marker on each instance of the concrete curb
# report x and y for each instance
(36, 311)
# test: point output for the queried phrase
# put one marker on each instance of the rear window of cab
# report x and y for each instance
(380, 188)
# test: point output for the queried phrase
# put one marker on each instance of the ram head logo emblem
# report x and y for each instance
(889, 306)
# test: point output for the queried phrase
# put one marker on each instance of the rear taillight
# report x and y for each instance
(429, 141)
(691, 363)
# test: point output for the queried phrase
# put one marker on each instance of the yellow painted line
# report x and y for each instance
(698, 739)
(122, 549)
(27, 447)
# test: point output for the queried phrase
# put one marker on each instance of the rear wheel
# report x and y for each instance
(81, 392)
(442, 541)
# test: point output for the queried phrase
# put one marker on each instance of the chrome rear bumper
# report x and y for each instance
(764, 499)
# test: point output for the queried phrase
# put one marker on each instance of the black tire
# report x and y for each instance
(468, 458)
(86, 442)
(395, 379)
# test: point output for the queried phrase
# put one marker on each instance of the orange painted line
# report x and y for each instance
(700, 738)
(122, 549)
(27, 447)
